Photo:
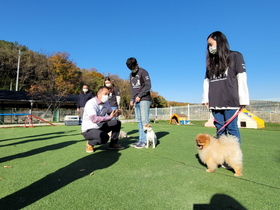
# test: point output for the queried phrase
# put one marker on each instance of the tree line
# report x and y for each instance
(53, 77)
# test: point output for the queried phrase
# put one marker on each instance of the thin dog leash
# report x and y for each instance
(229, 121)
(226, 120)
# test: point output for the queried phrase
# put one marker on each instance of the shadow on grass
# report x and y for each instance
(132, 132)
(125, 142)
(220, 202)
(160, 135)
(38, 150)
(203, 164)
(34, 136)
(32, 140)
(60, 178)
(132, 139)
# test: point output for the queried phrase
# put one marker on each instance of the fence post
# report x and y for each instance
(156, 113)
(189, 118)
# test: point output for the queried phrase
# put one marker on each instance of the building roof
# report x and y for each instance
(7, 95)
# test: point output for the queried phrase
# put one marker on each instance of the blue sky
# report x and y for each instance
(167, 37)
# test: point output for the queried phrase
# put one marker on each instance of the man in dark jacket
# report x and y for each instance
(140, 98)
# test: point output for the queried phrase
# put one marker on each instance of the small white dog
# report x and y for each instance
(151, 136)
(122, 135)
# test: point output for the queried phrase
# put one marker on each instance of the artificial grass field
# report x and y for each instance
(48, 168)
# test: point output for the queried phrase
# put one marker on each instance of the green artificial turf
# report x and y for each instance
(48, 168)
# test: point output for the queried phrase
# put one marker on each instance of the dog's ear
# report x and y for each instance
(200, 136)
(203, 137)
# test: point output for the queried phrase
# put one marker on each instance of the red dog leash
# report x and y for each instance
(231, 119)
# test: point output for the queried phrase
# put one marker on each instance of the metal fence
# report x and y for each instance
(269, 111)
(194, 112)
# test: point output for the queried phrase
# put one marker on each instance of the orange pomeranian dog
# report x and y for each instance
(214, 152)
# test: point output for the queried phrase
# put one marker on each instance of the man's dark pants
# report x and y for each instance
(100, 136)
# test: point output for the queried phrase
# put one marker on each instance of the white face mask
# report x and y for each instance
(85, 90)
(134, 70)
(213, 49)
(108, 85)
(104, 98)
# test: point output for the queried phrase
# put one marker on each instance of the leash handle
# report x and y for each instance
(231, 119)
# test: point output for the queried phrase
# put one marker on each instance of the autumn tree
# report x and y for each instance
(33, 66)
(157, 100)
(174, 103)
(63, 78)
(92, 78)
(67, 74)
(9, 53)
(52, 78)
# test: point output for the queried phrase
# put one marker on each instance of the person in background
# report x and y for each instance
(83, 97)
(96, 125)
(140, 98)
(225, 89)
(114, 93)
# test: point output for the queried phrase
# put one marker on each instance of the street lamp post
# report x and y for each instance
(18, 70)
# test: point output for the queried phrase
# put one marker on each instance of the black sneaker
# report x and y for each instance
(116, 147)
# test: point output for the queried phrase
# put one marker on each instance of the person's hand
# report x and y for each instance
(113, 113)
(137, 99)
(78, 109)
(206, 104)
(118, 112)
(242, 106)
(131, 103)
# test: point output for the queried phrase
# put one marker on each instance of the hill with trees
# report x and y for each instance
(55, 76)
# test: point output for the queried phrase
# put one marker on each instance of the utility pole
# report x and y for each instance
(18, 70)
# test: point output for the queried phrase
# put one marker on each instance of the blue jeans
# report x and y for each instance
(221, 118)
(142, 112)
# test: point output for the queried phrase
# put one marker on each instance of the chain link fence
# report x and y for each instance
(269, 111)
(194, 112)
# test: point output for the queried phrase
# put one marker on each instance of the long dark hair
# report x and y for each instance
(111, 89)
(218, 63)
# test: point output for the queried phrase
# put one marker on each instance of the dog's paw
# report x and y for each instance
(238, 174)
(209, 170)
